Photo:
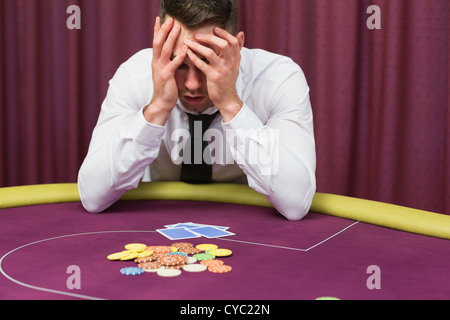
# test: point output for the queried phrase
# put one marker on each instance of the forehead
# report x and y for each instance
(189, 33)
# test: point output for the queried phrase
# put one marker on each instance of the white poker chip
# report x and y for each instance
(169, 273)
(191, 260)
(194, 268)
(153, 270)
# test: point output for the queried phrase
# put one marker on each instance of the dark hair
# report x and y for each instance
(194, 14)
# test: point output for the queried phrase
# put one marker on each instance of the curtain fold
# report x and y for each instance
(380, 97)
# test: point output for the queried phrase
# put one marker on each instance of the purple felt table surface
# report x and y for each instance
(272, 259)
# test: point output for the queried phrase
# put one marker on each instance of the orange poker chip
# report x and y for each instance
(180, 245)
(149, 265)
(159, 249)
(177, 267)
(220, 269)
(146, 259)
(172, 260)
(210, 263)
(189, 250)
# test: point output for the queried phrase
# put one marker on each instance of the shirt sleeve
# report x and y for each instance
(123, 145)
(278, 156)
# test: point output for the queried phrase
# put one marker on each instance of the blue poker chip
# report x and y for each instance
(132, 271)
(177, 254)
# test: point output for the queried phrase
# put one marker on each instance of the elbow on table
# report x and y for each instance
(296, 206)
(295, 213)
(89, 201)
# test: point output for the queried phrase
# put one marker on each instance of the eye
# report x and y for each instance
(183, 67)
(205, 60)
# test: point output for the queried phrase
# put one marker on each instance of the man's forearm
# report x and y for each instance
(118, 165)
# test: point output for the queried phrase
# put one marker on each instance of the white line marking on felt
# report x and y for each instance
(294, 249)
(80, 296)
(334, 235)
(135, 231)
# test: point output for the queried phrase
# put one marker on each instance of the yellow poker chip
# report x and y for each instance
(116, 256)
(129, 255)
(138, 247)
(205, 247)
(145, 254)
(221, 252)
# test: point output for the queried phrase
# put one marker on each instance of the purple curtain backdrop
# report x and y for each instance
(380, 97)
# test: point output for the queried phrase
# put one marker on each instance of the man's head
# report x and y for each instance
(198, 16)
(194, 14)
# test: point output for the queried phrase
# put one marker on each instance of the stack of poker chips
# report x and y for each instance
(168, 261)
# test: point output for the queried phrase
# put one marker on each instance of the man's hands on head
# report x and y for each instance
(165, 95)
(220, 64)
(215, 53)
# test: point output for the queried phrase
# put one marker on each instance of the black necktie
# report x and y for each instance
(194, 168)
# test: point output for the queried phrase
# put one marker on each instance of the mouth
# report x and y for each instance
(194, 100)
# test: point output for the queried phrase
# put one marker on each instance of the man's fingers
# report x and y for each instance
(218, 43)
(161, 34)
(221, 33)
(170, 43)
(209, 54)
(178, 59)
(199, 63)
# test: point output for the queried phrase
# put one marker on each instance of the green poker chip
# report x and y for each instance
(204, 256)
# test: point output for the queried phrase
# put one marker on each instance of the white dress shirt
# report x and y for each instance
(269, 144)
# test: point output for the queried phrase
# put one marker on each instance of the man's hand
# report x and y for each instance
(220, 63)
(165, 94)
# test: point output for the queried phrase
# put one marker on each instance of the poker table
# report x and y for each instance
(348, 248)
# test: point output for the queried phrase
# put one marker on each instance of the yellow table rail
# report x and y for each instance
(377, 213)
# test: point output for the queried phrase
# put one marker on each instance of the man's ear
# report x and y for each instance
(241, 38)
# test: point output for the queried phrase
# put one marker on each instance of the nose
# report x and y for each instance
(193, 79)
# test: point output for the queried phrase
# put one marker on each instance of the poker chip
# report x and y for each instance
(137, 247)
(220, 269)
(129, 255)
(205, 247)
(146, 259)
(221, 252)
(178, 266)
(180, 245)
(160, 249)
(149, 265)
(177, 254)
(153, 270)
(172, 260)
(131, 271)
(145, 254)
(115, 256)
(203, 256)
(195, 268)
(191, 260)
(209, 263)
(168, 273)
(189, 250)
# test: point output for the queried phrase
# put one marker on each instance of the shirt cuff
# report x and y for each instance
(145, 133)
(245, 119)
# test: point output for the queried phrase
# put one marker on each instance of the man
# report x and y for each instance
(198, 76)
